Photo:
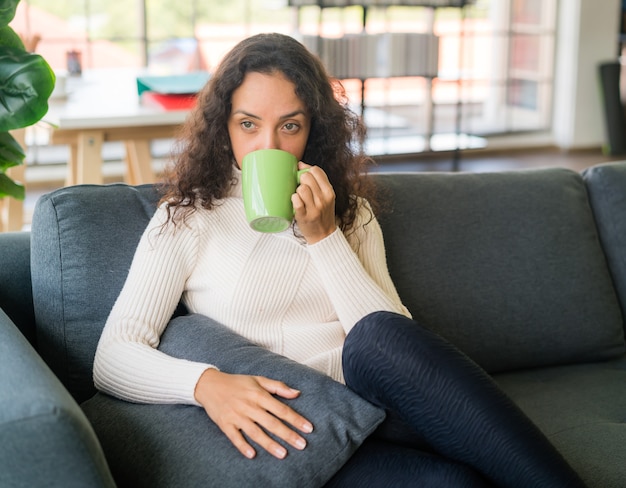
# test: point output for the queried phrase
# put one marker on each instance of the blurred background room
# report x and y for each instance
(443, 85)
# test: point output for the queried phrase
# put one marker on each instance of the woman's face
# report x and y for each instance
(267, 114)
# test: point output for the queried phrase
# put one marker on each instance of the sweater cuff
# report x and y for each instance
(334, 249)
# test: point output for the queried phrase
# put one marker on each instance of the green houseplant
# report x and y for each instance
(26, 82)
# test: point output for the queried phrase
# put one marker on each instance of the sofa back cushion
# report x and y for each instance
(508, 266)
(82, 243)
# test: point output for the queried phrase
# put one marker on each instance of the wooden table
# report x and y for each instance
(101, 106)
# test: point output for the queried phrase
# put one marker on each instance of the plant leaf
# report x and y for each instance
(26, 82)
(8, 38)
(7, 11)
(11, 152)
(9, 188)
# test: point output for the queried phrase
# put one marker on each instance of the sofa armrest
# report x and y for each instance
(46, 439)
(16, 294)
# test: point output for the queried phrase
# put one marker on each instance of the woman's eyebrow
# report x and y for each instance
(293, 114)
(286, 116)
(247, 114)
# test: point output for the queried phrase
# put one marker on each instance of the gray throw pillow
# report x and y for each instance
(605, 184)
(178, 445)
(83, 240)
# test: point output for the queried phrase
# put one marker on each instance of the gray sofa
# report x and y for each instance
(525, 271)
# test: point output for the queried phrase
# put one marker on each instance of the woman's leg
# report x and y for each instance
(380, 464)
(450, 402)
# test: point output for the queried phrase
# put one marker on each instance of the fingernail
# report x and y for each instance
(307, 428)
(300, 444)
(250, 453)
(280, 452)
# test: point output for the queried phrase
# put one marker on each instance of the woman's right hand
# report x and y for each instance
(241, 404)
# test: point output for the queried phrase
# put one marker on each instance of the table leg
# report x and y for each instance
(138, 162)
(88, 162)
(72, 166)
(12, 210)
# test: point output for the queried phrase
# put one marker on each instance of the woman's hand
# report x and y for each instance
(314, 204)
(241, 404)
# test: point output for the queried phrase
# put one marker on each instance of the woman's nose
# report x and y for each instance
(271, 141)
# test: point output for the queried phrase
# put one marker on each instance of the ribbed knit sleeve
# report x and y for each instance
(354, 271)
(127, 363)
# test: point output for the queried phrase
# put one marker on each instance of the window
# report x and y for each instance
(494, 57)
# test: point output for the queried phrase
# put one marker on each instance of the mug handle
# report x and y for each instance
(300, 172)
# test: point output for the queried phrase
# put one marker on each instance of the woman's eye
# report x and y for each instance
(291, 126)
(246, 124)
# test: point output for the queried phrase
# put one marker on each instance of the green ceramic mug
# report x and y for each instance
(269, 178)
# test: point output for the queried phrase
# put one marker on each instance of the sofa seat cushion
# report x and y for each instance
(508, 266)
(582, 409)
(178, 445)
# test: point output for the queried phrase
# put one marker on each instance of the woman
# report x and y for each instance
(335, 308)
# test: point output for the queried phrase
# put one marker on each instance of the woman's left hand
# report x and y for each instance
(314, 204)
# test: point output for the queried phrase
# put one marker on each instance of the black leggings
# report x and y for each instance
(448, 424)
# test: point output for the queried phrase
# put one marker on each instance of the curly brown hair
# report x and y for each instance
(202, 170)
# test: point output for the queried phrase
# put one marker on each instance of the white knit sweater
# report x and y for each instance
(297, 300)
